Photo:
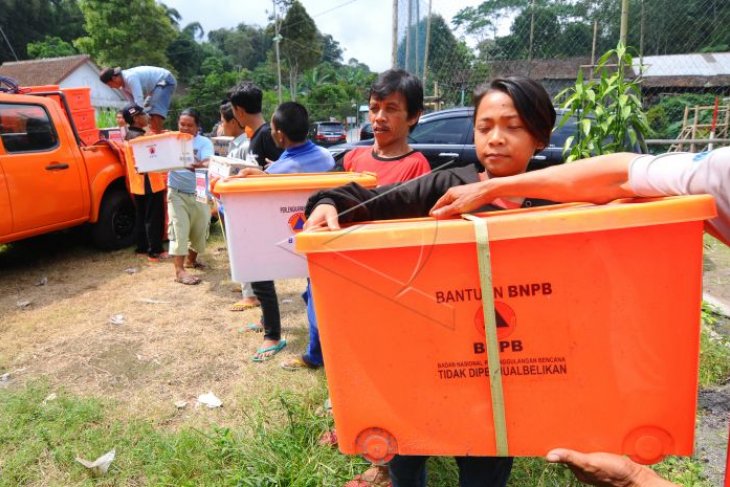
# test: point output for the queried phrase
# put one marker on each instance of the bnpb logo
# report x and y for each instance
(506, 320)
(296, 222)
(152, 149)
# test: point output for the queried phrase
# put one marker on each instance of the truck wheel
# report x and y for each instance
(115, 228)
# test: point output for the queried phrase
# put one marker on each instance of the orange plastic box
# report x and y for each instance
(262, 215)
(89, 136)
(78, 98)
(597, 312)
(84, 119)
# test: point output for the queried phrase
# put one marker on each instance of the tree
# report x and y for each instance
(185, 54)
(50, 47)
(126, 32)
(301, 46)
(331, 50)
(29, 21)
(246, 45)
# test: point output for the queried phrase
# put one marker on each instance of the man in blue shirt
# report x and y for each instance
(289, 128)
(148, 86)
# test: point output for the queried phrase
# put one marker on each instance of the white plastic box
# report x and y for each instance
(162, 152)
(263, 213)
(223, 167)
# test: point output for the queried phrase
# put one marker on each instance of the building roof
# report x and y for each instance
(685, 70)
(38, 72)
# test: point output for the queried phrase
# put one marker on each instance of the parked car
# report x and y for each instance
(446, 138)
(327, 133)
(366, 131)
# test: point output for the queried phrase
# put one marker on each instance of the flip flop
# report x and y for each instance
(188, 280)
(274, 349)
(255, 327)
(242, 306)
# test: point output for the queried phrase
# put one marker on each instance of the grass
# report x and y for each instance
(714, 350)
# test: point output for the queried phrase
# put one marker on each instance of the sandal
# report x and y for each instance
(328, 438)
(188, 280)
(375, 476)
(272, 351)
(255, 327)
(243, 305)
(196, 265)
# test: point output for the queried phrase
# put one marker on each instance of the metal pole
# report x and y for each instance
(428, 41)
(8, 43)
(532, 36)
(593, 50)
(624, 21)
(408, 35)
(277, 39)
(394, 48)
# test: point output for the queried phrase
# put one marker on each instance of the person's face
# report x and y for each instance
(115, 82)
(503, 144)
(120, 120)
(277, 135)
(389, 118)
(141, 120)
(229, 128)
(186, 124)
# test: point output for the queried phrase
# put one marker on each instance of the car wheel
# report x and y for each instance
(115, 228)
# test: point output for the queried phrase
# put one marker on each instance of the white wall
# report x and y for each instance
(101, 95)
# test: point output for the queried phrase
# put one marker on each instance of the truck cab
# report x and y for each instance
(49, 180)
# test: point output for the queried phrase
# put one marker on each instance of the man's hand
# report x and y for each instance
(324, 217)
(607, 469)
(246, 171)
(461, 199)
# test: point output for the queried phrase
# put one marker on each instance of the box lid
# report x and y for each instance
(160, 137)
(512, 224)
(298, 181)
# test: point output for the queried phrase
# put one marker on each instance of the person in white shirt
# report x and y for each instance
(148, 86)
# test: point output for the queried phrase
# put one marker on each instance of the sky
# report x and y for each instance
(362, 27)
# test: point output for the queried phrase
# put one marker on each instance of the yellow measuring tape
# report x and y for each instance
(490, 327)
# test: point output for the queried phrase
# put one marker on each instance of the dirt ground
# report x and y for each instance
(175, 342)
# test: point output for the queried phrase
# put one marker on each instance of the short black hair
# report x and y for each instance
(246, 95)
(107, 74)
(400, 81)
(293, 120)
(531, 101)
(192, 112)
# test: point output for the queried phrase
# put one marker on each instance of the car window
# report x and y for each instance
(331, 127)
(441, 131)
(25, 128)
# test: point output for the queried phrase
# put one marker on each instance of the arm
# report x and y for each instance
(607, 469)
(597, 180)
(401, 200)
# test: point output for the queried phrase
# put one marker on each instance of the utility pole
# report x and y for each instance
(408, 35)
(624, 21)
(394, 48)
(428, 41)
(532, 37)
(8, 43)
(277, 39)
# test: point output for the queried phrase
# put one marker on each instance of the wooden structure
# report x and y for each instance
(696, 136)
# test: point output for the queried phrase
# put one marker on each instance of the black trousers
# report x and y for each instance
(410, 471)
(265, 291)
(150, 221)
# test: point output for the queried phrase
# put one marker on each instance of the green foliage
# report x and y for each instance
(29, 21)
(665, 117)
(50, 47)
(185, 54)
(206, 91)
(126, 33)
(714, 350)
(608, 110)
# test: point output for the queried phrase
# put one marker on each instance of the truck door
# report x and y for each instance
(41, 172)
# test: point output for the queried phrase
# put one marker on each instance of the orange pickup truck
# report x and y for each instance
(50, 180)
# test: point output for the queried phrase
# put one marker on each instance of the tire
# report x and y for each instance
(115, 228)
